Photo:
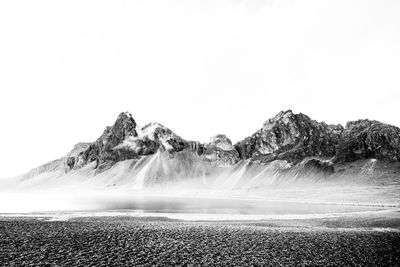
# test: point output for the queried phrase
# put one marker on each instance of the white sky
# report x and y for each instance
(68, 68)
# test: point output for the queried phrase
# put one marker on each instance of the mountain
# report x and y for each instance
(364, 139)
(220, 151)
(291, 137)
(287, 146)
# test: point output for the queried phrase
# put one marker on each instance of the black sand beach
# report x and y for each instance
(117, 241)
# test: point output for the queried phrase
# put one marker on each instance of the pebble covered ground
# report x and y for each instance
(110, 241)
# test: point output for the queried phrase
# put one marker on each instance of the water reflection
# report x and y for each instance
(224, 206)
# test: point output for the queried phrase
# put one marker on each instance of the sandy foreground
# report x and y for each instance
(372, 240)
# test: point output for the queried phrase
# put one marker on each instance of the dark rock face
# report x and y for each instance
(103, 148)
(78, 148)
(318, 166)
(291, 137)
(124, 140)
(365, 139)
(221, 152)
(75, 159)
(196, 147)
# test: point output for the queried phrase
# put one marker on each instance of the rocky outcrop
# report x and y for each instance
(78, 148)
(196, 147)
(75, 159)
(365, 139)
(102, 149)
(61, 164)
(317, 166)
(152, 137)
(125, 140)
(221, 152)
(291, 137)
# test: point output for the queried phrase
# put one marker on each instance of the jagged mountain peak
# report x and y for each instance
(124, 125)
(154, 129)
(364, 123)
(287, 118)
(222, 142)
(283, 116)
(127, 114)
(220, 138)
(156, 135)
(220, 151)
(290, 137)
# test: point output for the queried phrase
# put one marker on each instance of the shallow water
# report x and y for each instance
(188, 208)
(227, 206)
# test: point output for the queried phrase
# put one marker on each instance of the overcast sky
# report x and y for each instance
(68, 68)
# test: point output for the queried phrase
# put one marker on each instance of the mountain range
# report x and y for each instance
(287, 144)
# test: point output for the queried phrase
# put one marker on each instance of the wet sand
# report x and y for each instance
(131, 241)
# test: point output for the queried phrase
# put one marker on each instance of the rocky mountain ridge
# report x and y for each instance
(291, 137)
(286, 136)
(294, 140)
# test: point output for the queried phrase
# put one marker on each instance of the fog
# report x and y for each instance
(161, 186)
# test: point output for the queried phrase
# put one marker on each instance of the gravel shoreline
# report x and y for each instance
(125, 241)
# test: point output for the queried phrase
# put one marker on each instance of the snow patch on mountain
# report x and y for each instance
(154, 132)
